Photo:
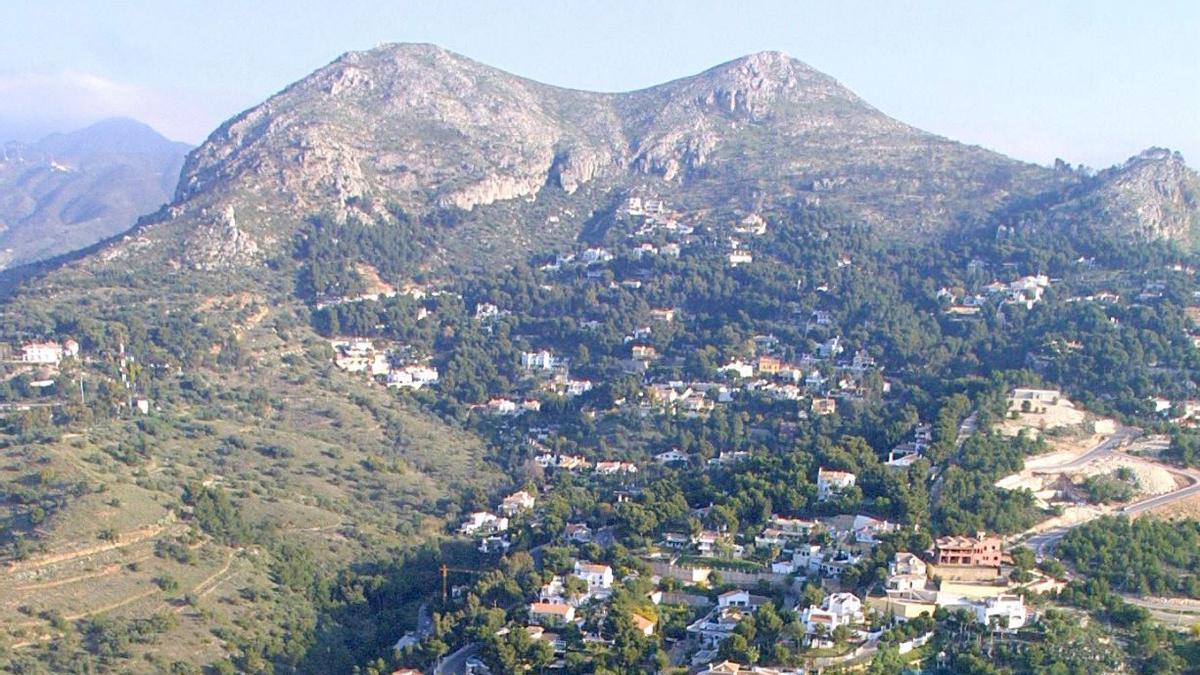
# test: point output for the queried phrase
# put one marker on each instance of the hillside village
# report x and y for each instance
(704, 498)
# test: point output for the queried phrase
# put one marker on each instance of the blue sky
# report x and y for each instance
(1090, 81)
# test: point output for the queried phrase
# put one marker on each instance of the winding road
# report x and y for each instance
(1043, 543)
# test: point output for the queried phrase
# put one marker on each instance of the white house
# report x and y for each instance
(482, 522)
(577, 387)
(740, 257)
(551, 612)
(45, 353)
(739, 368)
(906, 572)
(412, 377)
(608, 468)
(830, 483)
(599, 578)
(907, 563)
(717, 625)
(540, 360)
(517, 502)
(672, 456)
(838, 609)
(578, 532)
(643, 625)
(1008, 610)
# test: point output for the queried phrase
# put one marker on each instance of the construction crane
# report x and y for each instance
(446, 570)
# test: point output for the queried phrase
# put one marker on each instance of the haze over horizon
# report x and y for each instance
(1092, 83)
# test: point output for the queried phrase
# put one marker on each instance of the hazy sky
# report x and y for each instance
(1090, 81)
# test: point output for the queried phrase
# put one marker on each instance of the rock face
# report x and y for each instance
(68, 191)
(418, 129)
(1152, 196)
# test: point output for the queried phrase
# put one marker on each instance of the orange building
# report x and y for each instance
(979, 551)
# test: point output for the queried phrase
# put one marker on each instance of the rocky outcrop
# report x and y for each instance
(218, 243)
(419, 129)
(1153, 195)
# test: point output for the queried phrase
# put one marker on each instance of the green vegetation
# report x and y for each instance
(1144, 556)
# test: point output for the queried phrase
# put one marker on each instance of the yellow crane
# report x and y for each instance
(446, 570)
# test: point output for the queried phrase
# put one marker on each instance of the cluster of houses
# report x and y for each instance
(1026, 291)
(814, 378)
(360, 355)
(963, 573)
(577, 463)
(490, 528)
(561, 602)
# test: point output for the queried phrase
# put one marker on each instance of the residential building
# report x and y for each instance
(716, 626)
(740, 257)
(739, 368)
(554, 613)
(517, 502)
(643, 625)
(608, 468)
(980, 551)
(837, 609)
(672, 456)
(412, 377)
(1007, 610)
(540, 360)
(824, 406)
(599, 577)
(577, 532)
(483, 523)
(830, 483)
(43, 353)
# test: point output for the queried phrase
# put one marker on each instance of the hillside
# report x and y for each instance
(68, 191)
(483, 164)
(410, 285)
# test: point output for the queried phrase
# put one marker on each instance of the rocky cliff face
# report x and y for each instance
(1152, 196)
(425, 131)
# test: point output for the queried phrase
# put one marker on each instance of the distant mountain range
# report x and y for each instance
(68, 191)
(495, 166)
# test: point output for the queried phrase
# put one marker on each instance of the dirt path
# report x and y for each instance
(213, 578)
(103, 572)
(123, 540)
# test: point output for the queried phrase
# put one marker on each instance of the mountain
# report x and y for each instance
(494, 165)
(472, 166)
(68, 191)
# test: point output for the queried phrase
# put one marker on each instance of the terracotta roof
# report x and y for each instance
(550, 608)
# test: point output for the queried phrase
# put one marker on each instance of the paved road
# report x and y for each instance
(1101, 450)
(1160, 500)
(456, 663)
(424, 621)
(1043, 544)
